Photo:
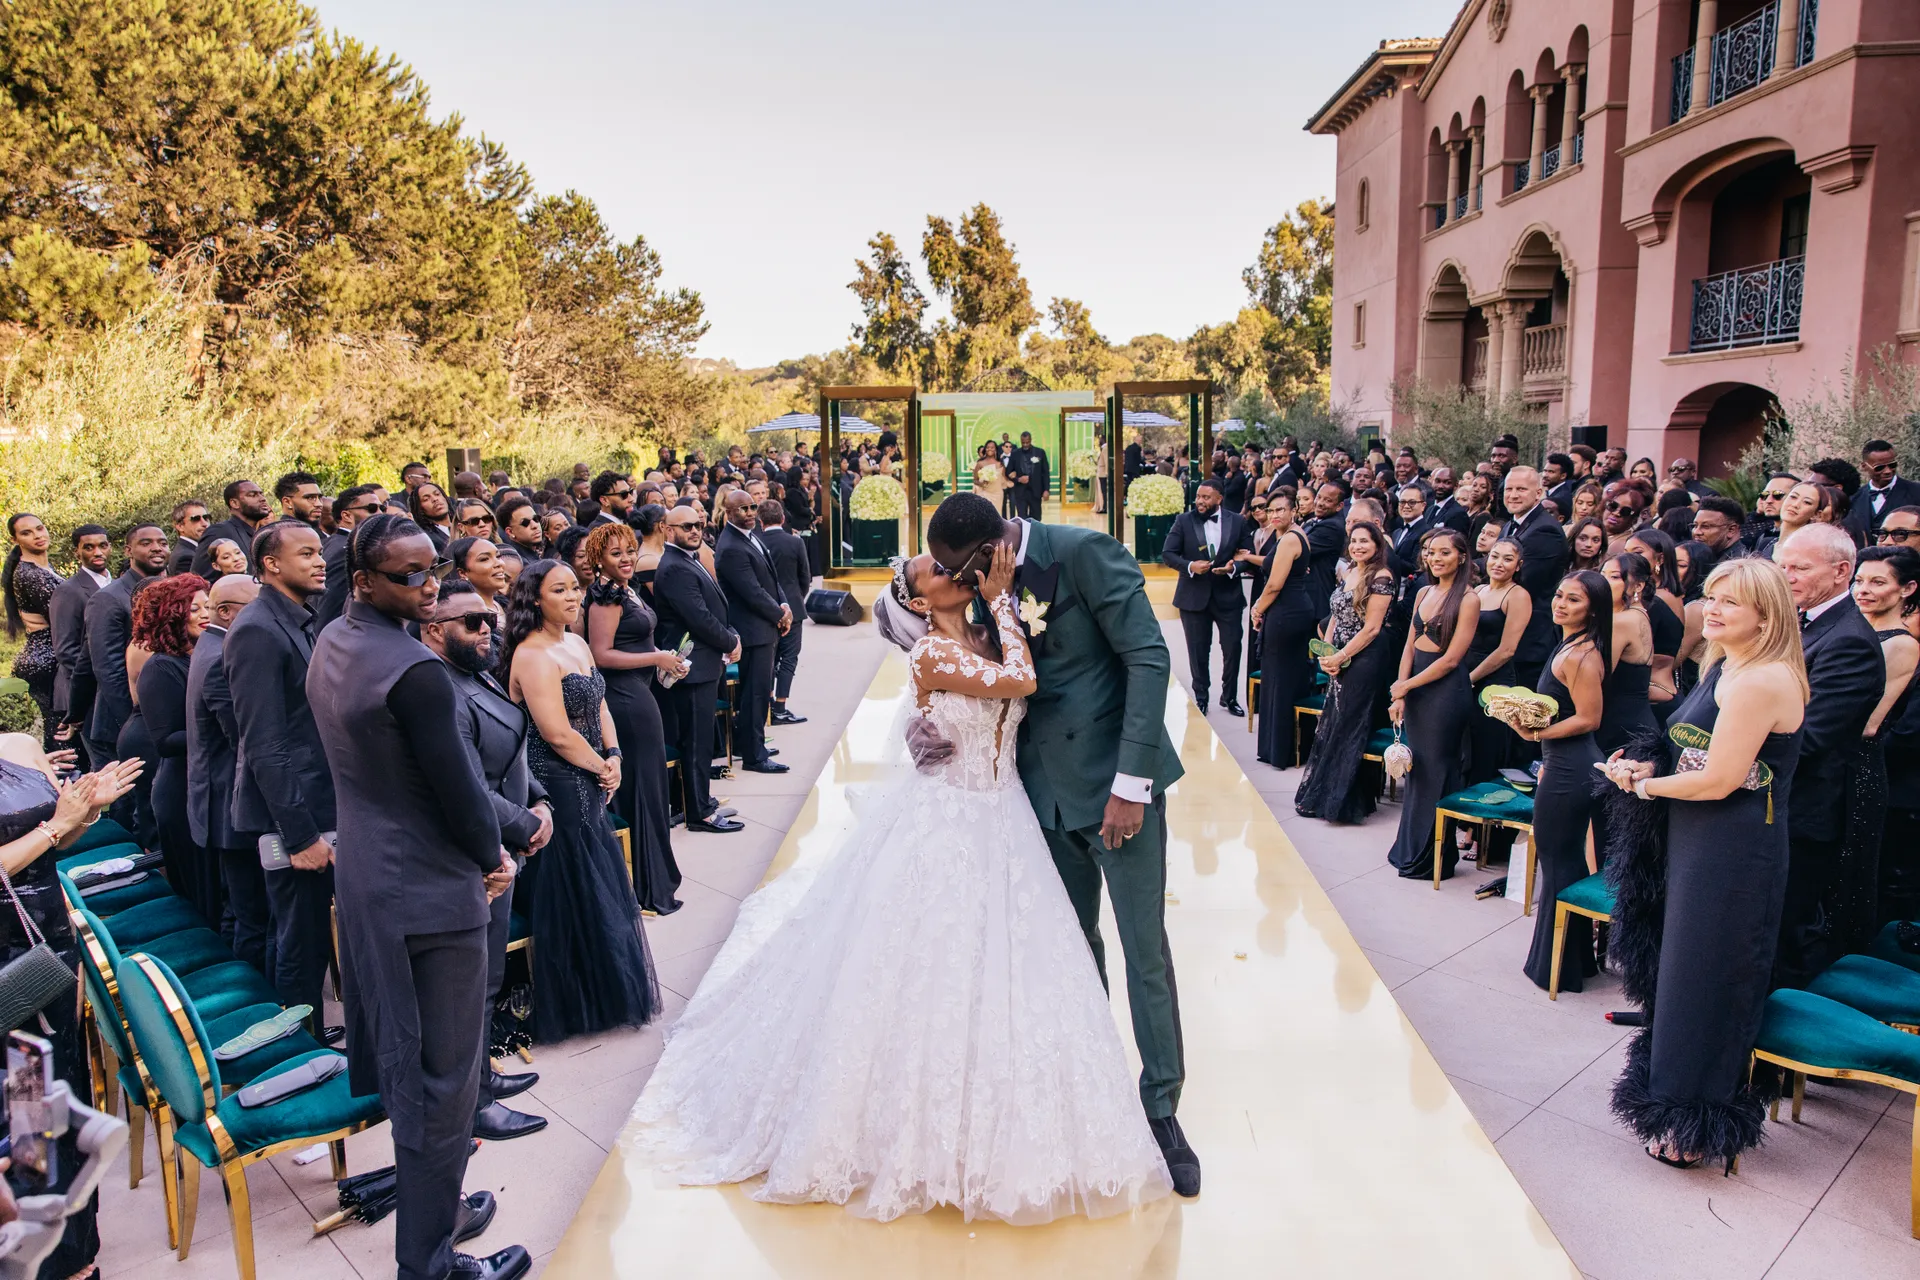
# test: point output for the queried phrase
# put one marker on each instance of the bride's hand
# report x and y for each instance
(999, 579)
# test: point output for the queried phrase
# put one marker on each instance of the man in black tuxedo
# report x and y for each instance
(1206, 546)
(1029, 470)
(247, 511)
(795, 574)
(1560, 483)
(420, 862)
(690, 603)
(1543, 562)
(67, 619)
(494, 729)
(1884, 492)
(360, 502)
(759, 614)
(1846, 677)
(190, 521)
(213, 740)
(1133, 463)
(1403, 545)
(1326, 535)
(109, 628)
(1445, 510)
(614, 493)
(282, 784)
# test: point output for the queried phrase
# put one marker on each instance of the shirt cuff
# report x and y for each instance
(1130, 788)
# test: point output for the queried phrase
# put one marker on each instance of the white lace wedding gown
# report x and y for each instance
(921, 1023)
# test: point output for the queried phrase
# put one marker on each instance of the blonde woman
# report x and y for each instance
(1685, 1090)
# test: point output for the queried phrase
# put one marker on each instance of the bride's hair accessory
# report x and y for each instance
(897, 621)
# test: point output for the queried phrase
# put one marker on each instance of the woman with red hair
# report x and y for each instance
(168, 616)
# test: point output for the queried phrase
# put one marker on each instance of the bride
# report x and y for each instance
(919, 1022)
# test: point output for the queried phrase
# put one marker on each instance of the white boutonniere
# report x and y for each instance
(1033, 612)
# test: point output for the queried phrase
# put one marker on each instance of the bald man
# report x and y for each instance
(211, 739)
(1544, 557)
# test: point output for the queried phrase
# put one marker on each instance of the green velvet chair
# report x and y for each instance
(1810, 1035)
(1886, 946)
(111, 902)
(1590, 897)
(103, 832)
(146, 922)
(1308, 708)
(1472, 805)
(212, 979)
(1885, 992)
(213, 1130)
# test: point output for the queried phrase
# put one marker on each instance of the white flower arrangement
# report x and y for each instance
(1152, 496)
(878, 498)
(1081, 464)
(935, 467)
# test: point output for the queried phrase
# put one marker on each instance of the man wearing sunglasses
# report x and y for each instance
(1901, 528)
(359, 503)
(690, 603)
(1095, 758)
(1885, 491)
(614, 493)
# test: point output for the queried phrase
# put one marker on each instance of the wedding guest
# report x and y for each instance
(1666, 611)
(795, 574)
(1588, 501)
(247, 513)
(427, 503)
(556, 521)
(1885, 582)
(169, 617)
(298, 493)
(282, 785)
(67, 619)
(1685, 1091)
(1717, 522)
(1804, 504)
(356, 503)
(591, 968)
(1283, 621)
(613, 493)
(1848, 677)
(190, 521)
(1628, 713)
(1433, 697)
(620, 630)
(479, 562)
(495, 728)
(213, 738)
(1505, 610)
(420, 860)
(1621, 513)
(109, 623)
(520, 525)
(1543, 563)
(1447, 509)
(1575, 677)
(758, 612)
(1886, 491)
(689, 603)
(1333, 788)
(1644, 469)
(1326, 536)
(28, 583)
(571, 551)
(1205, 547)
(1587, 541)
(474, 520)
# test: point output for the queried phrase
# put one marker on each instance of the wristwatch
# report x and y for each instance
(611, 753)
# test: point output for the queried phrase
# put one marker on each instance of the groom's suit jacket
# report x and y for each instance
(1103, 668)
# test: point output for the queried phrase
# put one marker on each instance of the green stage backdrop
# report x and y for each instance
(978, 418)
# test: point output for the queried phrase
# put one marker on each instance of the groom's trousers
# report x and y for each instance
(1136, 877)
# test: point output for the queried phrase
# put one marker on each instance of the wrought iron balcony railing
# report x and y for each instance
(1522, 174)
(1743, 57)
(1748, 307)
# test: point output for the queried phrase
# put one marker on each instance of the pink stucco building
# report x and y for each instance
(1652, 215)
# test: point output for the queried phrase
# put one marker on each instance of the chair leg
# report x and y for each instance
(189, 1170)
(1914, 1177)
(136, 1144)
(1439, 835)
(169, 1173)
(338, 1150)
(1799, 1093)
(1559, 942)
(240, 1213)
(1533, 865)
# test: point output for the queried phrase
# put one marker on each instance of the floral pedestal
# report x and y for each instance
(875, 541)
(1150, 537)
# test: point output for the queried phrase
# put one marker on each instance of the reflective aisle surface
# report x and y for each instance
(1332, 1143)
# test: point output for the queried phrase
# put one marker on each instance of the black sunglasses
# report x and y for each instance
(438, 570)
(941, 571)
(1625, 508)
(471, 621)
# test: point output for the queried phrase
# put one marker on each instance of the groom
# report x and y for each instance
(1095, 758)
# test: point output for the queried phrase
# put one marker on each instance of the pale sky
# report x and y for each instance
(1136, 151)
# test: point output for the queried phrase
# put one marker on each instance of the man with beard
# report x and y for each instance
(247, 511)
(1447, 510)
(1326, 535)
(109, 628)
(494, 728)
(1543, 562)
(67, 618)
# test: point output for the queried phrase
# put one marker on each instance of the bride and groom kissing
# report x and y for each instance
(922, 1020)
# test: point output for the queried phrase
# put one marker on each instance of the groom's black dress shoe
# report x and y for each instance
(510, 1263)
(497, 1122)
(474, 1215)
(503, 1086)
(1231, 707)
(1182, 1165)
(1202, 704)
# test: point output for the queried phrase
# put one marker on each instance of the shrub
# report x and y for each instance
(1458, 425)
(1155, 496)
(878, 498)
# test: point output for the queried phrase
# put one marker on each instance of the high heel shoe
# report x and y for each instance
(1673, 1162)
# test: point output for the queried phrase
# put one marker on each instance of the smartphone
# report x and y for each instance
(29, 1081)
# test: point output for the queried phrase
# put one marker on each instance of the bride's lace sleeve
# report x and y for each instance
(940, 662)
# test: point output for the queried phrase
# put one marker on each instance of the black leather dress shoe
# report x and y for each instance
(497, 1122)
(768, 766)
(787, 717)
(475, 1215)
(332, 1035)
(1202, 704)
(772, 752)
(1182, 1165)
(510, 1263)
(718, 826)
(504, 1086)
(1231, 707)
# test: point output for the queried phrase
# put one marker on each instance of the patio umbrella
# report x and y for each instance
(811, 422)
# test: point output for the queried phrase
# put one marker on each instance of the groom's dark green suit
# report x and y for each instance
(1099, 712)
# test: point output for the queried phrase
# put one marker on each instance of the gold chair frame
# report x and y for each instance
(1487, 825)
(233, 1163)
(1561, 910)
(1799, 1071)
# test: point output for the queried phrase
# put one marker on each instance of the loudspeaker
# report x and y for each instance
(459, 460)
(1594, 438)
(835, 608)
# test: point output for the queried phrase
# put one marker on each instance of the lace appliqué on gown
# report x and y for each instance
(917, 1021)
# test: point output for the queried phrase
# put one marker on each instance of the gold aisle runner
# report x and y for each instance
(1332, 1143)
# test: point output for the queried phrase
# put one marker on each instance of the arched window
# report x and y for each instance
(1364, 204)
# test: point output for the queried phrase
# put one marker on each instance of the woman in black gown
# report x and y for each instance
(620, 629)
(1433, 697)
(1703, 977)
(1628, 714)
(168, 619)
(591, 967)
(1333, 788)
(1505, 610)
(1575, 677)
(27, 584)
(1283, 624)
(1886, 586)
(36, 818)
(1666, 611)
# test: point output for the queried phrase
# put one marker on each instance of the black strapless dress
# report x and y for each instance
(1333, 788)
(641, 801)
(1563, 807)
(591, 967)
(1489, 743)
(1286, 672)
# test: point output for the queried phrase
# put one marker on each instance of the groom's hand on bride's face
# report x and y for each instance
(928, 748)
